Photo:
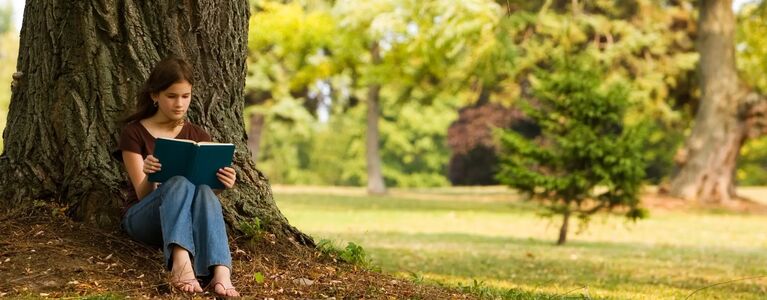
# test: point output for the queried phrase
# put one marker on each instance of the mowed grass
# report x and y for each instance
(459, 236)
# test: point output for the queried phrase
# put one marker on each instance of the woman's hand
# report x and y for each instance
(227, 176)
(151, 165)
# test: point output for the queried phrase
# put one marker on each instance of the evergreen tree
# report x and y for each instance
(587, 158)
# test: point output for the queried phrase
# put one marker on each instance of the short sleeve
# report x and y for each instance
(200, 135)
(204, 136)
(130, 140)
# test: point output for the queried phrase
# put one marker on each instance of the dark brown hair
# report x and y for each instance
(166, 72)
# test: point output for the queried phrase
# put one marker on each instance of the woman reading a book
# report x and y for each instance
(184, 219)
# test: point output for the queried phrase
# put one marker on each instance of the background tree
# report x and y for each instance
(81, 66)
(587, 158)
(425, 50)
(649, 42)
(287, 58)
(726, 116)
(412, 47)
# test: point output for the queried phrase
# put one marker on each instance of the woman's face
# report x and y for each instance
(173, 102)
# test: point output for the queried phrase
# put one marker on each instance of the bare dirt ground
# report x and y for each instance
(53, 257)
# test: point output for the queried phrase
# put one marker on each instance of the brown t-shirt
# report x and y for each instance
(137, 139)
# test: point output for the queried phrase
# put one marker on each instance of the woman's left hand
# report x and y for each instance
(227, 176)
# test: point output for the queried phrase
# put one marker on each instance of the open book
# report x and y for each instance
(198, 162)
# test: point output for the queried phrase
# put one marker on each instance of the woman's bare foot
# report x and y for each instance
(222, 283)
(182, 275)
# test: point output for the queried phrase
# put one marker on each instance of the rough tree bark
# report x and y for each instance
(376, 184)
(80, 66)
(722, 123)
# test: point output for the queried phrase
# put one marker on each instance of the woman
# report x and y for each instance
(184, 219)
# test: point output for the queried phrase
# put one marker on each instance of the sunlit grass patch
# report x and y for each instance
(503, 247)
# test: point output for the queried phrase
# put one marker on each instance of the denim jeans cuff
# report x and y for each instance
(178, 243)
(221, 263)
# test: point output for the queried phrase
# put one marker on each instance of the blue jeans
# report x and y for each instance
(179, 213)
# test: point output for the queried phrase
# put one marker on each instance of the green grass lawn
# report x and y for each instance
(457, 236)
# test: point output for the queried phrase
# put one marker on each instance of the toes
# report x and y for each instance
(231, 292)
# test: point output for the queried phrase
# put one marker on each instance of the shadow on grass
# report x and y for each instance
(330, 202)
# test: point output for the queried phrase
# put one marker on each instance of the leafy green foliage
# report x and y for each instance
(286, 138)
(286, 45)
(298, 149)
(252, 228)
(416, 277)
(427, 47)
(588, 158)
(413, 143)
(258, 277)
(648, 45)
(337, 154)
(9, 49)
(6, 17)
(477, 287)
(300, 51)
(353, 254)
(751, 44)
(752, 63)
(752, 162)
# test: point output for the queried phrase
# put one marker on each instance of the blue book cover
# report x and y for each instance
(198, 162)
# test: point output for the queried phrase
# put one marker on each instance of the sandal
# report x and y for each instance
(212, 288)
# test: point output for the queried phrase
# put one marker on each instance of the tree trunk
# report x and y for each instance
(254, 137)
(376, 184)
(81, 65)
(708, 161)
(563, 230)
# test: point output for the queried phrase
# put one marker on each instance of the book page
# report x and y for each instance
(214, 144)
(177, 140)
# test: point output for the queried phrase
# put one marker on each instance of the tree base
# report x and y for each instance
(104, 262)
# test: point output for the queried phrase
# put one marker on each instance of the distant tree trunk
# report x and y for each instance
(563, 230)
(376, 184)
(254, 137)
(80, 66)
(708, 161)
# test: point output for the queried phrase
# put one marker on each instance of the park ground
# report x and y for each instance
(446, 243)
(490, 242)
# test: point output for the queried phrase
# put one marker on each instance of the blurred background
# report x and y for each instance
(448, 73)
(447, 77)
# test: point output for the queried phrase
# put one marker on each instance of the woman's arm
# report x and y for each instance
(135, 167)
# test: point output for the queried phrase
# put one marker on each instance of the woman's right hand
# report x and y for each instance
(151, 165)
